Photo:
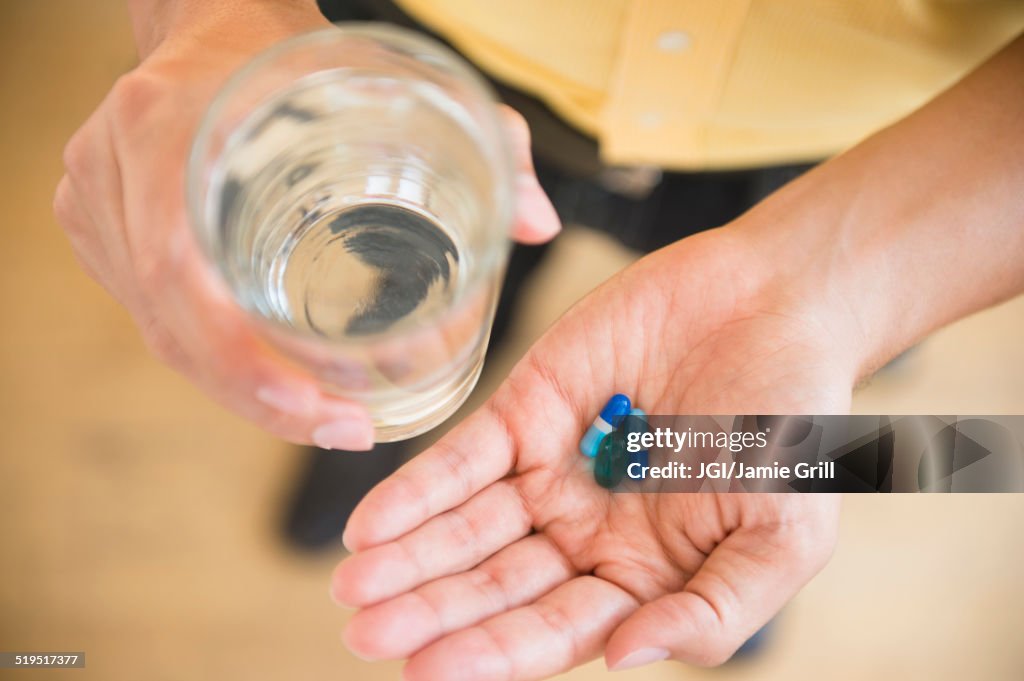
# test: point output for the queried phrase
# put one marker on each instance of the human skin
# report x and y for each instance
(122, 204)
(494, 555)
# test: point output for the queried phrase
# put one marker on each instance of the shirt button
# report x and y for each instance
(673, 41)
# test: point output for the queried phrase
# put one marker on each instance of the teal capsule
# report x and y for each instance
(611, 460)
(636, 422)
(608, 420)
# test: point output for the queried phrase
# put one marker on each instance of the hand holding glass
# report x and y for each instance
(355, 190)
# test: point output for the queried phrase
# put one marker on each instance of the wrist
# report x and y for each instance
(156, 22)
(913, 228)
(815, 271)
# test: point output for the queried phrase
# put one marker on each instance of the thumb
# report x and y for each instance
(742, 584)
(536, 220)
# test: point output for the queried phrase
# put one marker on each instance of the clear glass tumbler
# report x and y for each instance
(355, 188)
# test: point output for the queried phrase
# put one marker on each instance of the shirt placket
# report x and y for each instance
(668, 76)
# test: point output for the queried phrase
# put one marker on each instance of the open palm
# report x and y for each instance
(494, 555)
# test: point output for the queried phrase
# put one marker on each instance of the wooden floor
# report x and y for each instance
(137, 519)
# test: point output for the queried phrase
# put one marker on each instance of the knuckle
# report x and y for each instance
(807, 545)
(65, 207)
(806, 529)
(76, 154)
(464, 528)
(132, 96)
(125, 106)
(279, 423)
(155, 272)
(489, 583)
(162, 261)
(161, 344)
(453, 463)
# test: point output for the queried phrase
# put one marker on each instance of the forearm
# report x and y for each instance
(921, 224)
(155, 20)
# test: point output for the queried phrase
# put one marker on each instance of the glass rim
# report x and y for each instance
(392, 38)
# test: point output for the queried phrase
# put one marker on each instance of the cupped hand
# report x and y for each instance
(495, 555)
(122, 204)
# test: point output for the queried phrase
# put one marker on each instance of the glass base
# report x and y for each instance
(419, 417)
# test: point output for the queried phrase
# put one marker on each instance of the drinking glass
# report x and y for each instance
(354, 187)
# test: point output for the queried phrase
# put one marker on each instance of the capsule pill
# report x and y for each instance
(611, 416)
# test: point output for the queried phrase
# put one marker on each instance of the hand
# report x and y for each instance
(495, 555)
(122, 205)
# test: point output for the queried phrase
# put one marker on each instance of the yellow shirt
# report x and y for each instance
(694, 84)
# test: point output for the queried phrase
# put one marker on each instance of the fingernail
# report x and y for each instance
(283, 399)
(344, 434)
(639, 658)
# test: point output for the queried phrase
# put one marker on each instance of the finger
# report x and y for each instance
(536, 220)
(562, 629)
(93, 248)
(478, 452)
(189, 312)
(227, 355)
(79, 230)
(94, 180)
(244, 373)
(743, 583)
(239, 369)
(452, 542)
(515, 576)
(130, 228)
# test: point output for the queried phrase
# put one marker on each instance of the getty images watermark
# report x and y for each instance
(748, 453)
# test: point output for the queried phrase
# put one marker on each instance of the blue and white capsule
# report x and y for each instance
(637, 423)
(608, 420)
